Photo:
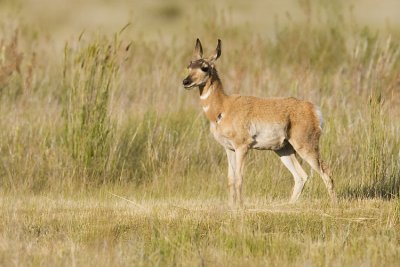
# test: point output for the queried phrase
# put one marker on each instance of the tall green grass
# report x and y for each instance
(111, 111)
(106, 160)
(89, 77)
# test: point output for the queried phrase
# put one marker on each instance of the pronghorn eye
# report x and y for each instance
(204, 68)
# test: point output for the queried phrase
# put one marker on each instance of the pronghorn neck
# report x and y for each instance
(212, 98)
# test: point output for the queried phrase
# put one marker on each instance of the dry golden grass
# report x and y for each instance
(104, 230)
(106, 160)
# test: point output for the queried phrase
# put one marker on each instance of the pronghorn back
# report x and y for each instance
(268, 123)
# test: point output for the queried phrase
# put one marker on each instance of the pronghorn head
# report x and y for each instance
(201, 69)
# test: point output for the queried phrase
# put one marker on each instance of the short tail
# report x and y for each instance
(319, 115)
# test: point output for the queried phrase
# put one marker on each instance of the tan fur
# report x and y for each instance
(239, 123)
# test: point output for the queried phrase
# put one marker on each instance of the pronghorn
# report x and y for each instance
(239, 123)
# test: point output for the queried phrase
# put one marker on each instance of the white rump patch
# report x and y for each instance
(319, 115)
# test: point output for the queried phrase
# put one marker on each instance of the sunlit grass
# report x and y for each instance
(106, 230)
(106, 160)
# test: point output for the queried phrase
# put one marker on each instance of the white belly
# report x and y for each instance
(270, 136)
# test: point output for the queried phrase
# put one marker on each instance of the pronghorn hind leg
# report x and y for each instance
(314, 160)
(231, 175)
(288, 158)
(299, 168)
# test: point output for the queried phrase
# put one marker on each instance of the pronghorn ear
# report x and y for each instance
(217, 54)
(198, 51)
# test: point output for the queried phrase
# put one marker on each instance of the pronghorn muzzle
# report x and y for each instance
(187, 82)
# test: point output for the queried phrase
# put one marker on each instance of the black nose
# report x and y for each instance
(186, 81)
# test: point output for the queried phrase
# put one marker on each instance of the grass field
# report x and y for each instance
(103, 231)
(105, 159)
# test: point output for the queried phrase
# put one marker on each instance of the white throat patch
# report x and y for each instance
(207, 94)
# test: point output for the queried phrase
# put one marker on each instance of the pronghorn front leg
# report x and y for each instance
(231, 175)
(240, 154)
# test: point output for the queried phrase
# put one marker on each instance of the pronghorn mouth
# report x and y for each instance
(190, 85)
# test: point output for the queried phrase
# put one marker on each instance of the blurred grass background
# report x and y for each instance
(91, 91)
(91, 102)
